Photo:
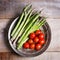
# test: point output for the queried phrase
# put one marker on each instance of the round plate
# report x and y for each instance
(26, 52)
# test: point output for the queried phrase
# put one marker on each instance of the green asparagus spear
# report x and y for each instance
(36, 17)
(13, 32)
(22, 30)
(27, 7)
(22, 24)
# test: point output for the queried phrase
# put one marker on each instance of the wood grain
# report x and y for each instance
(44, 56)
(4, 56)
(55, 32)
(13, 8)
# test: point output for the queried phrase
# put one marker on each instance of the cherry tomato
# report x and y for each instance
(26, 45)
(32, 46)
(38, 32)
(38, 46)
(30, 41)
(36, 39)
(32, 35)
(41, 36)
(42, 41)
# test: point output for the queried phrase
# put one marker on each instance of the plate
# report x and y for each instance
(26, 52)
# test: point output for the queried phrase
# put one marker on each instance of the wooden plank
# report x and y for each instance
(44, 56)
(55, 32)
(5, 56)
(13, 8)
(55, 29)
(4, 25)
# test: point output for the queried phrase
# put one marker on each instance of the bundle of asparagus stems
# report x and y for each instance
(27, 23)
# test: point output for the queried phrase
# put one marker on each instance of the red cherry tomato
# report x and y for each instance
(30, 41)
(36, 39)
(32, 46)
(38, 46)
(26, 45)
(32, 35)
(42, 41)
(41, 36)
(38, 32)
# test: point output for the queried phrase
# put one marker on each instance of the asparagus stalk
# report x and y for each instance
(38, 25)
(33, 28)
(27, 7)
(31, 23)
(22, 30)
(13, 32)
(26, 26)
(22, 24)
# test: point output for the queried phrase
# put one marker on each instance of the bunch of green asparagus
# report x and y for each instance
(27, 23)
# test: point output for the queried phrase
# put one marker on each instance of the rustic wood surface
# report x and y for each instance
(10, 9)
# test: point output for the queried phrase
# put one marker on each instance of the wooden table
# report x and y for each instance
(10, 9)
